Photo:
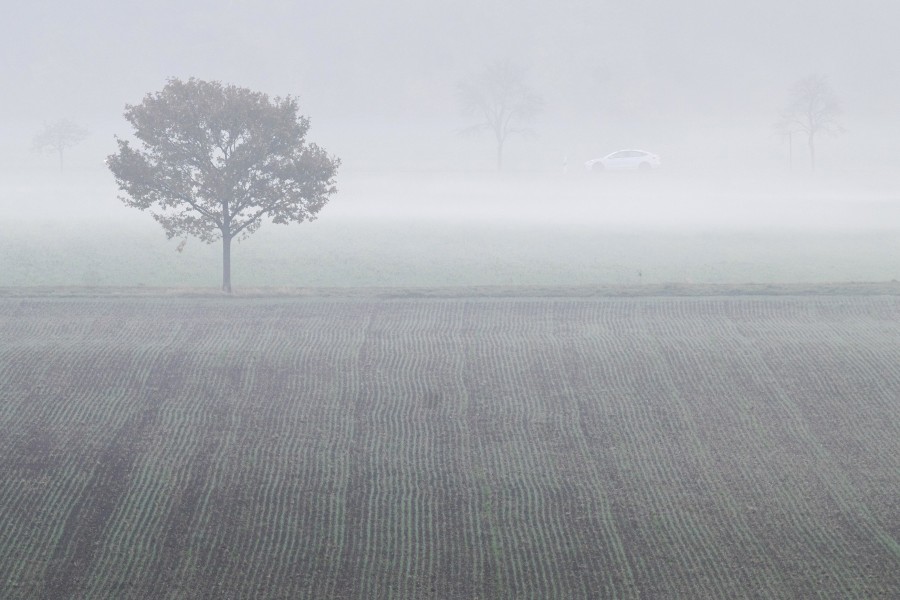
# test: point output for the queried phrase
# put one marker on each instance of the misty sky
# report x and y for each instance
(359, 62)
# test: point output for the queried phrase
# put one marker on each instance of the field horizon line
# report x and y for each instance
(674, 289)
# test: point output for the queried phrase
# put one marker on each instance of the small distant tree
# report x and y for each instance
(214, 160)
(58, 136)
(502, 101)
(813, 108)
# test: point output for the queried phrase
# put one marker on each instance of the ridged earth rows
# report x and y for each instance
(716, 447)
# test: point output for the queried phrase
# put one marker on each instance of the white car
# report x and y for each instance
(624, 160)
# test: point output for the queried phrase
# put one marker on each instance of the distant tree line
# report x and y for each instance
(502, 102)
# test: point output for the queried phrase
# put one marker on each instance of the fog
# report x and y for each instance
(701, 84)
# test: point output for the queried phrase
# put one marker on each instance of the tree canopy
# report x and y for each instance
(213, 161)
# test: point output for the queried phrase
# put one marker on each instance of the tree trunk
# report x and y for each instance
(60, 159)
(226, 263)
(812, 153)
(790, 151)
(500, 155)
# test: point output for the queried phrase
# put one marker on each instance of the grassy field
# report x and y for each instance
(409, 254)
(438, 230)
(450, 447)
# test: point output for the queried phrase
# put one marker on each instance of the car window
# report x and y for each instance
(620, 154)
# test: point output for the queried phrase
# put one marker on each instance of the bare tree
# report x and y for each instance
(500, 97)
(813, 109)
(57, 136)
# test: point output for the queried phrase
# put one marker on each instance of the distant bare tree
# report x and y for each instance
(813, 109)
(500, 97)
(57, 136)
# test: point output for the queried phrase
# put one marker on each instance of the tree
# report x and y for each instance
(57, 136)
(813, 109)
(215, 160)
(501, 99)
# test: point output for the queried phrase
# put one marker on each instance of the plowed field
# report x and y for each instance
(459, 448)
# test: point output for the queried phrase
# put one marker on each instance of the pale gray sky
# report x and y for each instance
(356, 63)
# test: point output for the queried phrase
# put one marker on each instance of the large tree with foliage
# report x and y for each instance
(58, 136)
(500, 98)
(813, 108)
(213, 161)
